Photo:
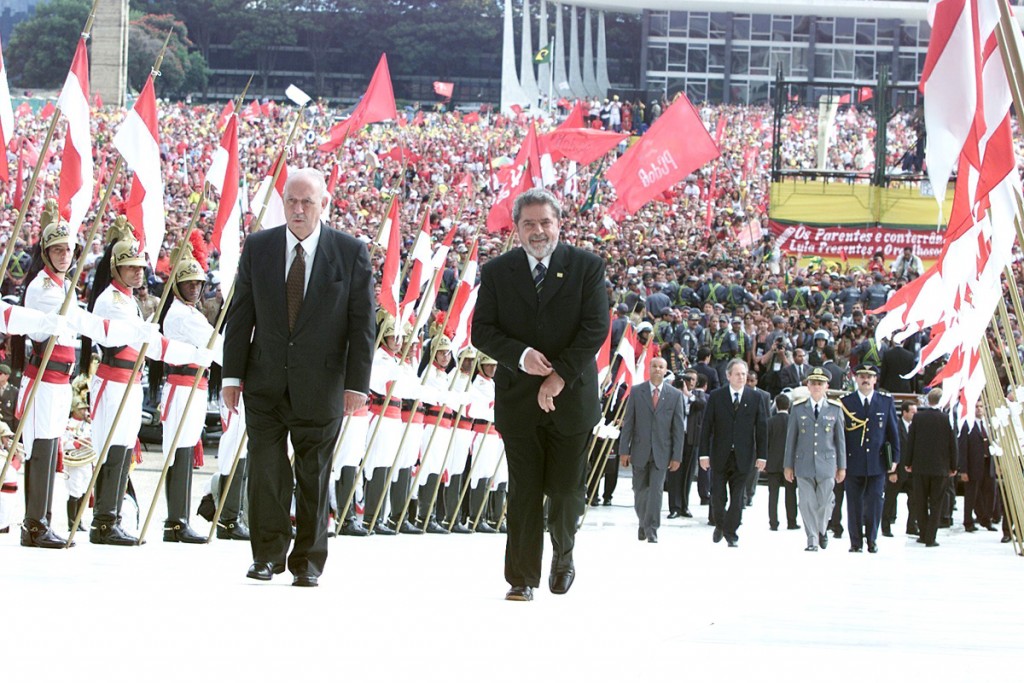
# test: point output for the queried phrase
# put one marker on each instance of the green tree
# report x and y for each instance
(41, 48)
(181, 72)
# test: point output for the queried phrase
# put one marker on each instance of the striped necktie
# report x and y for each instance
(538, 277)
(295, 286)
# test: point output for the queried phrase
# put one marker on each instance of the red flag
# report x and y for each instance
(268, 108)
(443, 89)
(418, 119)
(225, 113)
(582, 145)
(6, 119)
(604, 353)
(389, 282)
(677, 144)
(460, 310)
(48, 108)
(517, 109)
(513, 180)
(844, 99)
(97, 101)
(378, 104)
(138, 142)
(76, 170)
(225, 176)
(471, 117)
(575, 118)
(19, 190)
(865, 94)
(23, 110)
(420, 264)
(252, 112)
(332, 181)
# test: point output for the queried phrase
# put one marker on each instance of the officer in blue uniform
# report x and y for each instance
(872, 434)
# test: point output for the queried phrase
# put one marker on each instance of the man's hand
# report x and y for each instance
(894, 477)
(550, 388)
(353, 401)
(230, 396)
(840, 476)
(893, 468)
(963, 478)
(704, 463)
(673, 465)
(908, 469)
(624, 460)
(537, 364)
(760, 464)
(789, 474)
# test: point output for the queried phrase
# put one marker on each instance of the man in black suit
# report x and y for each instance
(733, 442)
(898, 361)
(931, 460)
(678, 483)
(977, 471)
(899, 481)
(299, 347)
(777, 425)
(703, 367)
(542, 313)
(792, 376)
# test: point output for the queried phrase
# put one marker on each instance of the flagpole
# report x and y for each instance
(30, 190)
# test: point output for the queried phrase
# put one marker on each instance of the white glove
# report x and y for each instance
(203, 357)
(56, 325)
(147, 333)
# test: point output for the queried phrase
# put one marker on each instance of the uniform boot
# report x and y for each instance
(178, 488)
(109, 493)
(430, 516)
(350, 525)
(451, 500)
(73, 506)
(399, 492)
(478, 506)
(375, 490)
(496, 504)
(230, 526)
(39, 474)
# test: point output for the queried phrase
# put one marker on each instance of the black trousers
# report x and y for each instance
(836, 522)
(979, 499)
(541, 463)
(775, 482)
(892, 490)
(728, 481)
(271, 481)
(704, 485)
(929, 499)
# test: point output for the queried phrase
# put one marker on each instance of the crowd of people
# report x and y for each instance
(696, 271)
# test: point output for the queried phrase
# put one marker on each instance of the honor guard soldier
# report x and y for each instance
(872, 452)
(182, 321)
(413, 411)
(462, 441)
(437, 430)
(815, 455)
(118, 273)
(488, 448)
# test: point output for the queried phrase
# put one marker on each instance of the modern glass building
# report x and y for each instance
(731, 50)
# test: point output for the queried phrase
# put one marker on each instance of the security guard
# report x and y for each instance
(815, 455)
(872, 452)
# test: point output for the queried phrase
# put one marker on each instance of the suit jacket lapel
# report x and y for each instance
(322, 265)
(557, 272)
(522, 278)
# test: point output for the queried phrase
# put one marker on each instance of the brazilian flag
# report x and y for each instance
(543, 55)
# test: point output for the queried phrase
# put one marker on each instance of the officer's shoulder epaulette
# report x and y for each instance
(802, 399)
(883, 392)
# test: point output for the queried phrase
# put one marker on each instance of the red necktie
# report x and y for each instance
(654, 398)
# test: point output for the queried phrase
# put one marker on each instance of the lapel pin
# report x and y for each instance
(558, 275)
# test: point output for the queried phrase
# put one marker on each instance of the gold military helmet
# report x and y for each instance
(187, 270)
(441, 343)
(486, 360)
(387, 327)
(55, 231)
(468, 353)
(127, 250)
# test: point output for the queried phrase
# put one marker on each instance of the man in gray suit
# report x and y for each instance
(652, 440)
(816, 455)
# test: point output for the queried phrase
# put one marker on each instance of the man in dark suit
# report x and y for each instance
(870, 427)
(733, 442)
(898, 361)
(703, 367)
(777, 425)
(899, 481)
(678, 483)
(931, 460)
(793, 376)
(542, 314)
(299, 347)
(652, 441)
(977, 471)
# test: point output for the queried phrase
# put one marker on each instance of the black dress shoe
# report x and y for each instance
(856, 549)
(561, 580)
(674, 515)
(793, 526)
(733, 543)
(232, 531)
(1005, 539)
(886, 531)
(717, 536)
(921, 541)
(773, 527)
(641, 535)
(652, 537)
(687, 513)
(823, 540)
(607, 502)
(913, 530)
(434, 528)
(354, 527)
(485, 528)
(872, 547)
(970, 529)
(407, 528)
(933, 544)
(811, 548)
(264, 571)
(461, 528)
(305, 581)
(990, 527)
(837, 533)
(381, 529)
(519, 594)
